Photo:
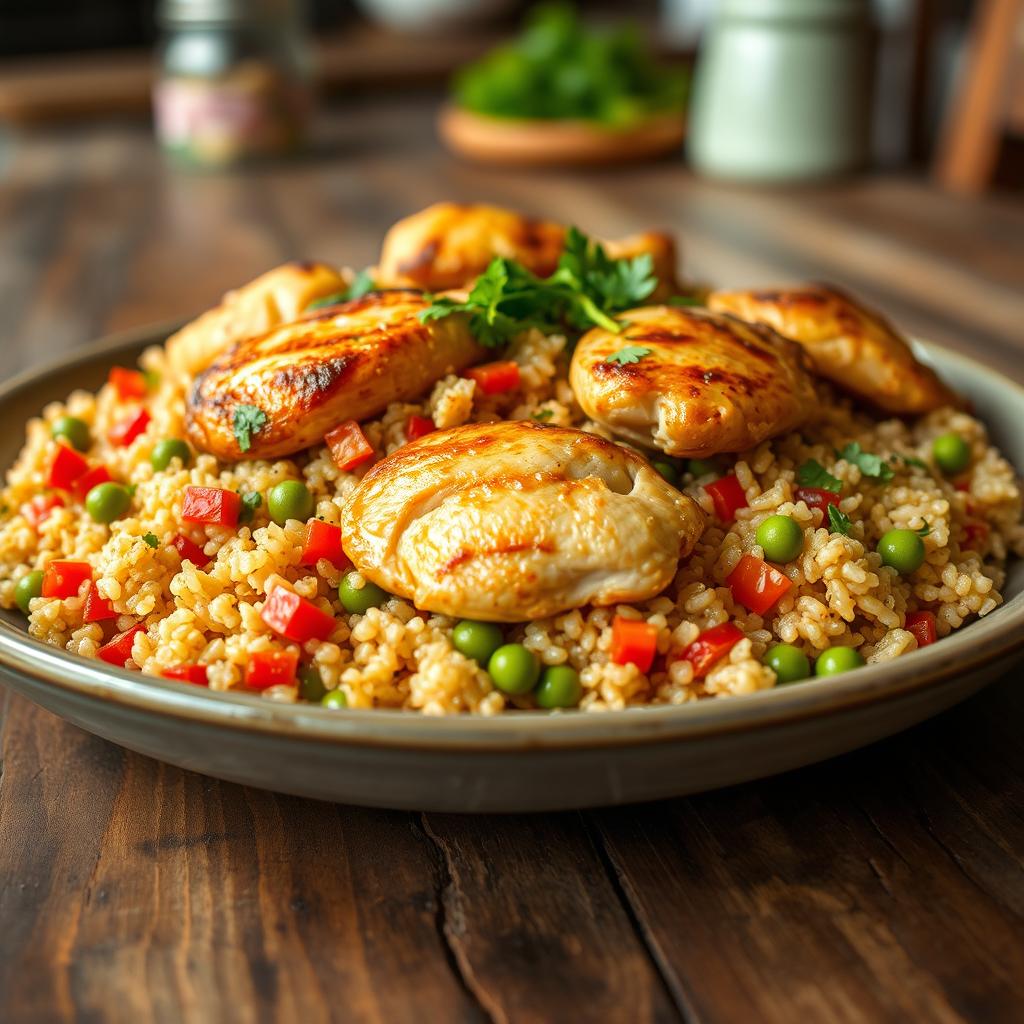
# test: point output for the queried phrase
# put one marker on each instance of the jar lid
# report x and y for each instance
(795, 10)
(193, 12)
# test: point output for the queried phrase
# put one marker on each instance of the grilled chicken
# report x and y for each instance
(691, 382)
(512, 521)
(276, 297)
(448, 245)
(345, 362)
(849, 344)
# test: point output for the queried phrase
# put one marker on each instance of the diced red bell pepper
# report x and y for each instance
(962, 485)
(213, 505)
(756, 584)
(294, 617)
(418, 426)
(323, 540)
(187, 674)
(90, 479)
(190, 550)
(348, 445)
(97, 608)
(494, 378)
(127, 383)
(727, 495)
(64, 578)
(711, 646)
(270, 668)
(38, 510)
(127, 430)
(922, 625)
(634, 643)
(67, 467)
(816, 497)
(119, 650)
(974, 533)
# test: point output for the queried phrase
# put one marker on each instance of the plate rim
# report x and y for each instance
(408, 730)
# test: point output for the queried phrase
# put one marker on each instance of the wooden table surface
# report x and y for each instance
(886, 885)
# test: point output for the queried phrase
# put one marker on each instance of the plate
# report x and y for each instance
(514, 761)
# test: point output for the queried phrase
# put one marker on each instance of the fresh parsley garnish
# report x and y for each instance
(248, 421)
(151, 539)
(838, 520)
(813, 474)
(362, 284)
(870, 465)
(629, 354)
(913, 460)
(251, 500)
(543, 414)
(586, 289)
(925, 530)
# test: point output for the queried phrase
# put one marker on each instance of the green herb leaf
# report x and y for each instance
(838, 520)
(251, 500)
(629, 354)
(912, 460)
(248, 421)
(151, 539)
(813, 474)
(925, 530)
(543, 414)
(870, 465)
(362, 284)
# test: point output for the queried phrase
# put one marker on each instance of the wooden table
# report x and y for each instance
(884, 885)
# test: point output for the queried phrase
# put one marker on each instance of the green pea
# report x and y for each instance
(789, 663)
(311, 686)
(951, 452)
(477, 640)
(30, 585)
(901, 549)
(836, 660)
(334, 699)
(559, 687)
(73, 430)
(107, 501)
(290, 499)
(514, 669)
(171, 448)
(702, 467)
(781, 538)
(667, 469)
(359, 600)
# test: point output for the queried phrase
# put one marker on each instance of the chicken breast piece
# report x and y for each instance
(345, 362)
(512, 521)
(448, 245)
(849, 344)
(691, 382)
(276, 297)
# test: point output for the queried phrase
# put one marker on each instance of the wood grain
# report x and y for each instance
(886, 885)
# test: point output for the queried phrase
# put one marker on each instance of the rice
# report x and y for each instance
(397, 656)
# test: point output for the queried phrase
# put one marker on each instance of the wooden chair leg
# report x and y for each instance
(969, 146)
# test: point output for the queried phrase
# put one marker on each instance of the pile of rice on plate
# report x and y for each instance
(395, 656)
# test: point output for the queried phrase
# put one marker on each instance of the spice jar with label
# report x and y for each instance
(234, 79)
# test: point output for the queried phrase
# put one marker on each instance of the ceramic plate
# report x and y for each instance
(515, 761)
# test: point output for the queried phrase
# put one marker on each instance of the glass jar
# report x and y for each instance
(234, 80)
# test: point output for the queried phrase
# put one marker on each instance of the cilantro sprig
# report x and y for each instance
(838, 520)
(151, 539)
(251, 500)
(629, 354)
(813, 474)
(870, 464)
(586, 289)
(248, 421)
(362, 284)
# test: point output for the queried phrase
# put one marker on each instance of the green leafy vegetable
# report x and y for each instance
(813, 474)
(543, 414)
(629, 354)
(838, 520)
(561, 69)
(151, 539)
(925, 530)
(362, 284)
(586, 289)
(248, 421)
(912, 460)
(870, 465)
(251, 500)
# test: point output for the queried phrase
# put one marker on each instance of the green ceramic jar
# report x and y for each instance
(782, 90)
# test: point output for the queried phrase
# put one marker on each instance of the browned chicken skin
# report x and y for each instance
(448, 245)
(340, 363)
(848, 343)
(702, 384)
